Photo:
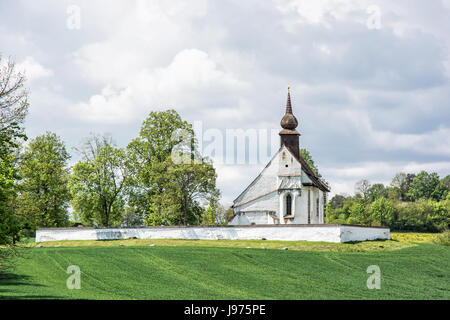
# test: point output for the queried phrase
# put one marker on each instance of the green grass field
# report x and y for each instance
(178, 269)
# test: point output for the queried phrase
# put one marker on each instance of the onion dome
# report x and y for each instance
(289, 121)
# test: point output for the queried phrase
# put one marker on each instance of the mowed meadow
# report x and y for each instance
(411, 268)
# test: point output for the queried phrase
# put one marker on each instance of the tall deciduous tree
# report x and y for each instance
(383, 212)
(402, 182)
(446, 182)
(337, 201)
(170, 179)
(98, 183)
(148, 154)
(44, 196)
(13, 103)
(377, 191)
(423, 186)
(362, 187)
(13, 109)
(190, 183)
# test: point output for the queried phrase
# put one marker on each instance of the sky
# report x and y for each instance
(369, 80)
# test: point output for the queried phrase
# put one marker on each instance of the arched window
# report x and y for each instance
(288, 205)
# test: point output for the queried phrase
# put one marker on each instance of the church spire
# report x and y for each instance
(289, 121)
(288, 103)
(289, 136)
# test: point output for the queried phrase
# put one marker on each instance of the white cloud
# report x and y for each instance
(142, 34)
(316, 11)
(343, 179)
(446, 3)
(436, 142)
(187, 82)
(33, 69)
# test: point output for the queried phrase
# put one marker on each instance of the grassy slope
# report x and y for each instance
(195, 271)
(399, 241)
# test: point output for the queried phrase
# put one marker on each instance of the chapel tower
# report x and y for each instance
(289, 135)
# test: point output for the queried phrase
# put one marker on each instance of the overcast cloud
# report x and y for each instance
(369, 79)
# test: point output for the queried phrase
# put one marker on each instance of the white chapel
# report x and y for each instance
(287, 191)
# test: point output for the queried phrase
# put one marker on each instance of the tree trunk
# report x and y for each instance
(105, 210)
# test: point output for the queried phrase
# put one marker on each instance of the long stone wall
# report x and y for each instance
(327, 233)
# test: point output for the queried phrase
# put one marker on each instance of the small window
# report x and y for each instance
(288, 205)
(317, 207)
(283, 156)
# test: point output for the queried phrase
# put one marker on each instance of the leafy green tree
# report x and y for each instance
(358, 213)
(393, 193)
(170, 180)
(209, 216)
(376, 191)
(440, 192)
(10, 223)
(439, 219)
(337, 201)
(228, 215)
(309, 160)
(186, 186)
(222, 216)
(158, 136)
(446, 182)
(148, 154)
(340, 214)
(383, 212)
(402, 182)
(381, 206)
(13, 105)
(44, 196)
(98, 183)
(423, 186)
(13, 110)
(336, 216)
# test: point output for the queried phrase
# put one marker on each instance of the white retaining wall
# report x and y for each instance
(327, 233)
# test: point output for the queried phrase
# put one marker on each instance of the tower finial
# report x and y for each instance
(288, 103)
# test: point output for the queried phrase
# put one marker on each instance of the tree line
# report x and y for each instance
(159, 178)
(411, 202)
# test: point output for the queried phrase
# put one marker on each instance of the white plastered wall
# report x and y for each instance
(327, 233)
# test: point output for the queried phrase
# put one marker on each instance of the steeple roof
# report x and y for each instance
(289, 121)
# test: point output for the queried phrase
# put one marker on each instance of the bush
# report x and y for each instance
(443, 239)
(382, 212)
(419, 216)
